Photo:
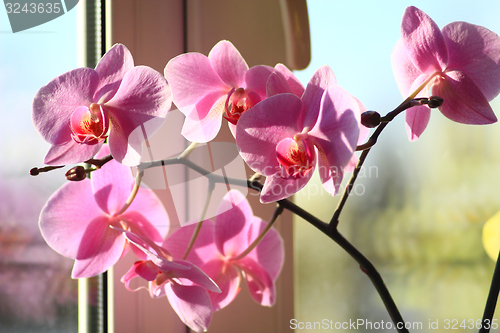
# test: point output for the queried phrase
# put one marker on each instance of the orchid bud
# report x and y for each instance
(370, 119)
(435, 102)
(76, 173)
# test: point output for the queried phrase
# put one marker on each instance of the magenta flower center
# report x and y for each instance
(238, 101)
(89, 124)
(296, 155)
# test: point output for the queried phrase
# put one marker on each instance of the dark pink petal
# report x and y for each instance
(228, 64)
(293, 82)
(270, 252)
(463, 100)
(262, 127)
(423, 41)
(417, 119)
(99, 249)
(256, 79)
(277, 84)
(204, 119)
(475, 51)
(311, 99)
(131, 274)
(281, 186)
(111, 69)
(403, 68)
(336, 134)
(193, 275)
(231, 224)
(259, 283)
(148, 214)
(71, 152)
(192, 304)
(227, 277)
(66, 215)
(146, 269)
(55, 102)
(204, 248)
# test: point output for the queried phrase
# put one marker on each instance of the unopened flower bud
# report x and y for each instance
(435, 102)
(76, 173)
(34, 171)
(370, 119)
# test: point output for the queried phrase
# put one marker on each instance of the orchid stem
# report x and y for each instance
(188, 150)
(132, 195)
(277, 212)
(491, 302)
(210, 190)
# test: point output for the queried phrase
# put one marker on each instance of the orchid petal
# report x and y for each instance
(277, 84)
(475, 50)
(293, 82)
(194, 275)
(71, 152)
(463, 100)
(259, 283)
(417, 119)
(227, 277)
(424, 41)
(111, 69)
(204, 119)
(192, 304)
(256, 79)
(146, 269)
(281, 186)
(228, 63)
(403, 68)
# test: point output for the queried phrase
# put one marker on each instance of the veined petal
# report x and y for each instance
(256, 79)
(260, 284)
(262, 127)
(204, 119)
(232, 223)
(227, 277)
(463, 100)
(55, 102)
(228, 64)
(403, 68)
(194, 275)
(423, 41)
(281, 185)
(417, 119)
(192, 304)
(66, 215)
(475, 51)
(277, 84)
(293, 82)
(71, 152)
(111, 69)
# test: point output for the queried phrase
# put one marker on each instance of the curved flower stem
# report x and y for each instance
(210, 190)
(132, 195)
(491, 302)
(277, 212)
(188, 150)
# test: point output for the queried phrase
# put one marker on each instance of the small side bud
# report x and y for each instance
(76, 173)
(34, 171)
(370, 119)
(435, 102)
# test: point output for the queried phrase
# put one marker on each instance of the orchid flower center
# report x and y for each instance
(89, 124)
(238, 101)
(296, 154)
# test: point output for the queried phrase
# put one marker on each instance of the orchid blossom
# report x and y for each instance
(76, 219)
(185, 285)
(284, 137)
(78, 110)
(205, 89)
(459, 63)
(220, 251)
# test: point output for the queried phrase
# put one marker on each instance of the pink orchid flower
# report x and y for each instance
(220, 244)
(76, 219)
(205, 88)
(284, 137)
(77, 111)
(185, 285)
(459, 63)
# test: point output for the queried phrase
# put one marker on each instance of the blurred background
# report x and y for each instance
(417, 210)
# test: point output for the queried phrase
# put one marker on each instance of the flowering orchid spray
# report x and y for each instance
(283, 132)
(77, 111)
(460, 63)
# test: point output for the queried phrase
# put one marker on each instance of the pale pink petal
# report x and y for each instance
(228, 64)
(293, 82)
(192, 275)
(281, 186)
(417, 119)
(99, 249)
(204, 119)
(71, 152)
(66, 215)
(231, 224)
(277, 84)
(475, 51)
(256, 79)
(262, 127)
(111, 69)
(311, 99)
(55, 102)
(270, 252)
(424, 41)
(227, 277)
(404, 70)
(111, 184)
(192, 304)
(463, 100)
(259, 283)
(152, 215)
